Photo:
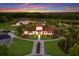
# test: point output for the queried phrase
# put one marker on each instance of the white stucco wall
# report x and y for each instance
(25, 32)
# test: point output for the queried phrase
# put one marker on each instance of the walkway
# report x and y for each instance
(61, 38)
(42, 52)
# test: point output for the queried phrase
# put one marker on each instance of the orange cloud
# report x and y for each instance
(23, 8)
(66, 9)
(31, 6)
(6, 9)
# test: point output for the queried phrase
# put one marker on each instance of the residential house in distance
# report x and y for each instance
(24, 22)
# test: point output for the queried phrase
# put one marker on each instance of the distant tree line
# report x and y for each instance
(9, 16)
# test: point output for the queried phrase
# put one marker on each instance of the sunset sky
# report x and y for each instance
(39, 7)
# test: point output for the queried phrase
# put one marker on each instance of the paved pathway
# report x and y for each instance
(61, 38)
(42, 52)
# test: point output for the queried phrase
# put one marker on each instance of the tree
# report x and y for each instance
(19, 30)
(3, 19)
(3, 50)
(74, 50)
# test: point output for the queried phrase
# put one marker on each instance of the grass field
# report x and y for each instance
(7, 26)
(20, 47)
(52, 49)
(34, 37)
(45, 37)
(4, 25)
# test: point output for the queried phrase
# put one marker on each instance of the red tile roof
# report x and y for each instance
(48, 29)
(39, 25)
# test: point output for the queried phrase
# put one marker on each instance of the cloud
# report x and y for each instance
(23, 8)
(27, 7)
(71, 9)
(12, 10)
(24, 4)
(32, 6)
(6, 9)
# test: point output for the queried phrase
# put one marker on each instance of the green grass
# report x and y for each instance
(20, 47)
(45, 37)
(4, 25)
(34, 37)
(51, 48)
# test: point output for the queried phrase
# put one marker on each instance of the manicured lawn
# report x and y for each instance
(34, 37)
(45, 37)
(51, 48)
(20, 47)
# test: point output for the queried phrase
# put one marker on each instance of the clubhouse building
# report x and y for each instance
(39, 29)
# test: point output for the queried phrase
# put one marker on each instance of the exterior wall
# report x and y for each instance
(33, 33)
(25, 32)
(47, 33)
(30, 33)
(36, 33)
(41, 33)
(23, 22)
(39, 28)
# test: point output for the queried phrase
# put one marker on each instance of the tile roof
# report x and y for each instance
(37, 25)
(48, 29)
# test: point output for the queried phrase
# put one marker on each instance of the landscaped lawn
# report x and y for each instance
(20, 47)
(52, 49)
(43, 37)
(33, 37)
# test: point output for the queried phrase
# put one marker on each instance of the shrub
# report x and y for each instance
(3, 50)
